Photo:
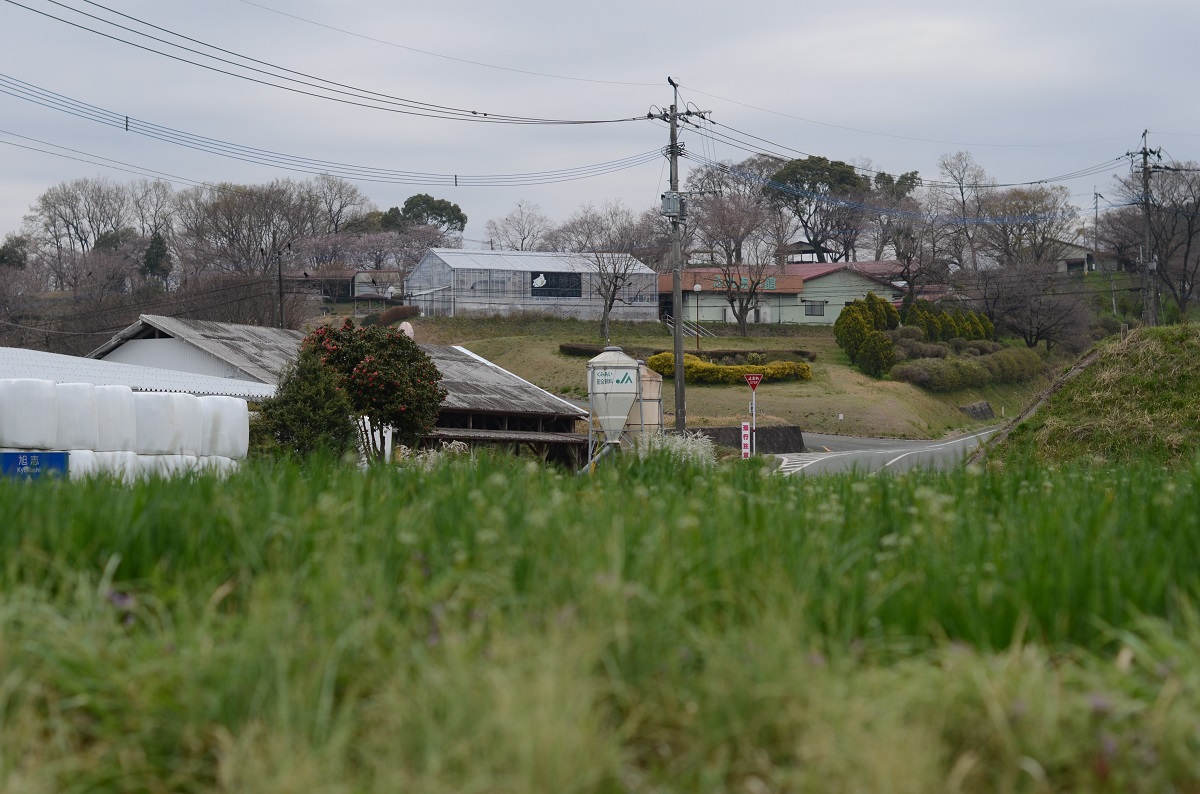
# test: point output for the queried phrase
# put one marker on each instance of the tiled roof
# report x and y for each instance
(884, 272)
(22, 363)
(785, 282)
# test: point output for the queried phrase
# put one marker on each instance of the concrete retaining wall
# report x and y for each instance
(772, 439)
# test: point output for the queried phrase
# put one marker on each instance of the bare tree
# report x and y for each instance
(523, 229)
(336, 203)
(242, 228)
(968, 185)
(740, 228)
(1039, 305)
(1026, 225)
(610, 237)
(1174, 228)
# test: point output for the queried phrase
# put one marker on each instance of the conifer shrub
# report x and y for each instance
(852, 326)
(877, 355)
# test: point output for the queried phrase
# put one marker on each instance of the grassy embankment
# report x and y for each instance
(502, 627)
(1139, 400)
(529, 347)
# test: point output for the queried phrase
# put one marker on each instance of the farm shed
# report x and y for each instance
(486, 405)
(226, 350)
(451, 281)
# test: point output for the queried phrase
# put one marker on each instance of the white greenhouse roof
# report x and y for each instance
(527, 261)
(21, 363)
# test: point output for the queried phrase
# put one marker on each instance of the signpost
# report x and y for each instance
(745, 440)
(753, 380)
(33, 464)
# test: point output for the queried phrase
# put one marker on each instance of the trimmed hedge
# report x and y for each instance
(1010, 365)
(585, 350)
(398, 313)
(580, 349)
(698, 371)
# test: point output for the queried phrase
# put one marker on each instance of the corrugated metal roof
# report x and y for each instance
(525, 261)
(476, 384)
(259, 352)
(20, 363)
(472, 383)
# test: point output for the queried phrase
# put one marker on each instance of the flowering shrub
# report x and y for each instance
(696, 370)
(688, 447)
(389, 380)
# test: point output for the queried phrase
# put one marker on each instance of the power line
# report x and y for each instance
(750, 147)
(359, 97)
(902, 137)
(43, 97)
(845, 202)
(502, 180)
(438, 54)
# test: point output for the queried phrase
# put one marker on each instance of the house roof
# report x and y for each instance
(785, 283)
(526, 261)
(473, 383)
(883, 272)
(257, 351)
(22, 363)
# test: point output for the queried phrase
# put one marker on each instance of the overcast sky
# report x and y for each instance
(1033, 90)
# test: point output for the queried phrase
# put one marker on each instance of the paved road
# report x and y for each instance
(846, 453)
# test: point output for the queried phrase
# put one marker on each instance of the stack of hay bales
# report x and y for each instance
(114, 430)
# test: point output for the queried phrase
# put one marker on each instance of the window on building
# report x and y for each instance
(814, 309)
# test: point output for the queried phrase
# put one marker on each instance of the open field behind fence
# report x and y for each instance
(499, 626)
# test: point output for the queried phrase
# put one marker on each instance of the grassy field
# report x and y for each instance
(528, 346)
(498, 626)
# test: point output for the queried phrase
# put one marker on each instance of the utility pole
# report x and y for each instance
(279, 270)
(1149, 264)
(674, 206)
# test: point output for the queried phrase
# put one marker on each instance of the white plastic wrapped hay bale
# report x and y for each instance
(226, 427)
(77, 419)
(116, 419)
(28, 414)
(82, 464)
(158, 428)
(121, 465)
(187, 464)
(152, 466)
(218, 464)
(191, 425)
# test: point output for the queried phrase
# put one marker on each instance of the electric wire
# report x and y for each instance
(497, 180)
(430, 53)
(902, 137)
(357, 96)
(792, 190)
(750, 147)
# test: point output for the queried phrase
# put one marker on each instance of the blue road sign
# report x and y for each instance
(34, 464)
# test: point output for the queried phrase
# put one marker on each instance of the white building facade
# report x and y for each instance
(451, 281)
